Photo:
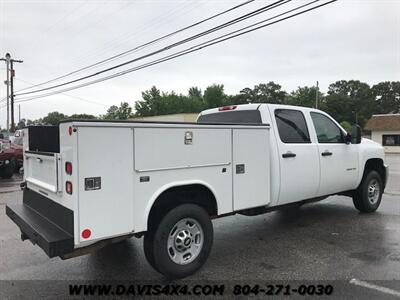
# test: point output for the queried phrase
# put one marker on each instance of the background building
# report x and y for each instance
(385, 130)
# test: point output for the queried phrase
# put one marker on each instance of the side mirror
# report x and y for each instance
(347, 138)
(355, 134)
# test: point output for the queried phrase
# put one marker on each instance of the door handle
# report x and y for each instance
(288, 154)
(326, 153)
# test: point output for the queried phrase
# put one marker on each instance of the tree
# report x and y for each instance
(350, 101)
(387, 97)
(264, 93)
(53, 118)
(247, 95)
(346, 125)
(339, 107)
(111, 112)
(148, 106)
(214, 96)
(82, 117)
(21, 124)
(304, 96)
(155, 103)
(123, 112)
(195, 92)
(237, 99)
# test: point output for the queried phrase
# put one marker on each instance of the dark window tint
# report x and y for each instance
(327, 131)
(292, 126)
(239, 116)
(391, 140)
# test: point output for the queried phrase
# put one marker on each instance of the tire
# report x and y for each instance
(148, 246)
(8, 171)
(181, 242)
(368, 196)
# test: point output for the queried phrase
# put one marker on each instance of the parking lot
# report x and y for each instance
(328, 240)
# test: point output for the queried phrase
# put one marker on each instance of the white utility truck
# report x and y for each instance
(90, 183)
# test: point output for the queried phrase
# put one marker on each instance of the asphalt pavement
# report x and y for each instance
(328, 241)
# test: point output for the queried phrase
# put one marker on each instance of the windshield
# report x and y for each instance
(238, 116)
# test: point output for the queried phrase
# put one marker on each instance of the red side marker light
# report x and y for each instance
(68, 187)
(86, 233)
(230, 107)
(70, 130)
(68, 168)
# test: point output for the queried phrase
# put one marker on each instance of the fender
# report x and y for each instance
(368, 150)
(167, 186)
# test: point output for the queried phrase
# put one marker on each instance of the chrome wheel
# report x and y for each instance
(185, 241)
(373, 191)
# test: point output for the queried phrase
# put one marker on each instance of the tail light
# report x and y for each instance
(68, 187)
(230, 107)
(68, 168)
(70, 130)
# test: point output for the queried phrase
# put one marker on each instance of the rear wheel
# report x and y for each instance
(180, 243)
(368, 196)
(148, 246)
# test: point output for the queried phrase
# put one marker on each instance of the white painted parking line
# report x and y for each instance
(375, 287)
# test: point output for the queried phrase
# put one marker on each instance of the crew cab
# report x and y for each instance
(90, 183)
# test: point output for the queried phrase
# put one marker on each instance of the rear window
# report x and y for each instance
(292, 126)
(238, 116)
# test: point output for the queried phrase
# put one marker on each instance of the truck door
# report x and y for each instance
(339, 161)
(298, 156)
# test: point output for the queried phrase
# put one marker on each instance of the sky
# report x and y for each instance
(348, 39)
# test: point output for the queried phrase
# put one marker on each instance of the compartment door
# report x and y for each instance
(251, 168)
(42, 170)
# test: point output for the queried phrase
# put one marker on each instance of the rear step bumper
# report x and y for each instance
(44, 222)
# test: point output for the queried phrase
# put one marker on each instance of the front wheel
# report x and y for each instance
(368, 196)
(8, 171)
(180, 243)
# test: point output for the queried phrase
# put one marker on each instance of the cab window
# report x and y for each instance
(292, 126)
(327, 131)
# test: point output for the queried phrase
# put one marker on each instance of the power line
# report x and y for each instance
(68, 95)
(142, 46)
(115, 44)
(206, 32)
(195, 48)
(71, 96)
(155, 22)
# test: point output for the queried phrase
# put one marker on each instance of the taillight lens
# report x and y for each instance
(70, 130)
(68, 168)
(68, 187)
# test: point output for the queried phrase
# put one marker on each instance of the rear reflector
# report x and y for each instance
(230, 107)
(68, 187)
(86, 233)
(68, 168)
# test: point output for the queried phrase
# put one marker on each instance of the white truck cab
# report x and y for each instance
(89, 183)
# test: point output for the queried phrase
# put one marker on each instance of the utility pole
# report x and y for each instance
(317, 95)
(19, 113)
(12, 73)
(10, 88)
(7, 82)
